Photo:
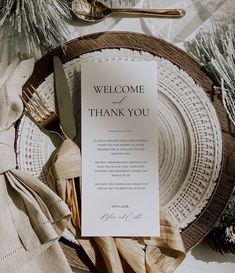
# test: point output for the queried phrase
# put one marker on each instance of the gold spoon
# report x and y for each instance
(93, 11)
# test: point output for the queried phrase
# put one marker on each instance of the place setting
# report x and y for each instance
(115, 143)
(174, 115)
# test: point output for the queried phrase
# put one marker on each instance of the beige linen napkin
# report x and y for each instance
(142, 255)
(32, 216)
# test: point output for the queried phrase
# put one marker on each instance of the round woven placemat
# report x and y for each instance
(209, 214)
(189, 136)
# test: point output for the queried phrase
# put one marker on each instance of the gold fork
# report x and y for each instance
(40, 113)
(45, 118)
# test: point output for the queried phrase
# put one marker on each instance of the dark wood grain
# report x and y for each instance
(206, 220)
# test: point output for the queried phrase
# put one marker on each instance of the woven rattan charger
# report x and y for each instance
(196, 230)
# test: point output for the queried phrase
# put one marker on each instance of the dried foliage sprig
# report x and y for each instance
(214, 49)
(36, 26)
(222, 237)
(37, 23)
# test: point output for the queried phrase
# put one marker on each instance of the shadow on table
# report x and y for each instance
(205, 253)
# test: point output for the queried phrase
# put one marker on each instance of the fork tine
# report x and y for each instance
(40, 101)
(25, 103)
(30, 104)
(34, 100)
(34, 116)
(41, 105)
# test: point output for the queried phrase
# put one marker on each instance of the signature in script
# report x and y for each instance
(127, 217)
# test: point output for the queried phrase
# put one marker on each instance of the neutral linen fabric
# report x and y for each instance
(32, 216)
(142, 255)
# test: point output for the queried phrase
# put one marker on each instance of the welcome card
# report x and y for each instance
(120, 179)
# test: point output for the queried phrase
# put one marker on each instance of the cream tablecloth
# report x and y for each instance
(202, 258)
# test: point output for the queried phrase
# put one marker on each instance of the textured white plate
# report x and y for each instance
(190, 145)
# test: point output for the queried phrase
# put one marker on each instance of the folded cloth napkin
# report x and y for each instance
(141, 255)
(32, 216)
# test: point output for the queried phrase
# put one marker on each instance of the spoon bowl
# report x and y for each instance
(90, 12)
(96, 11)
